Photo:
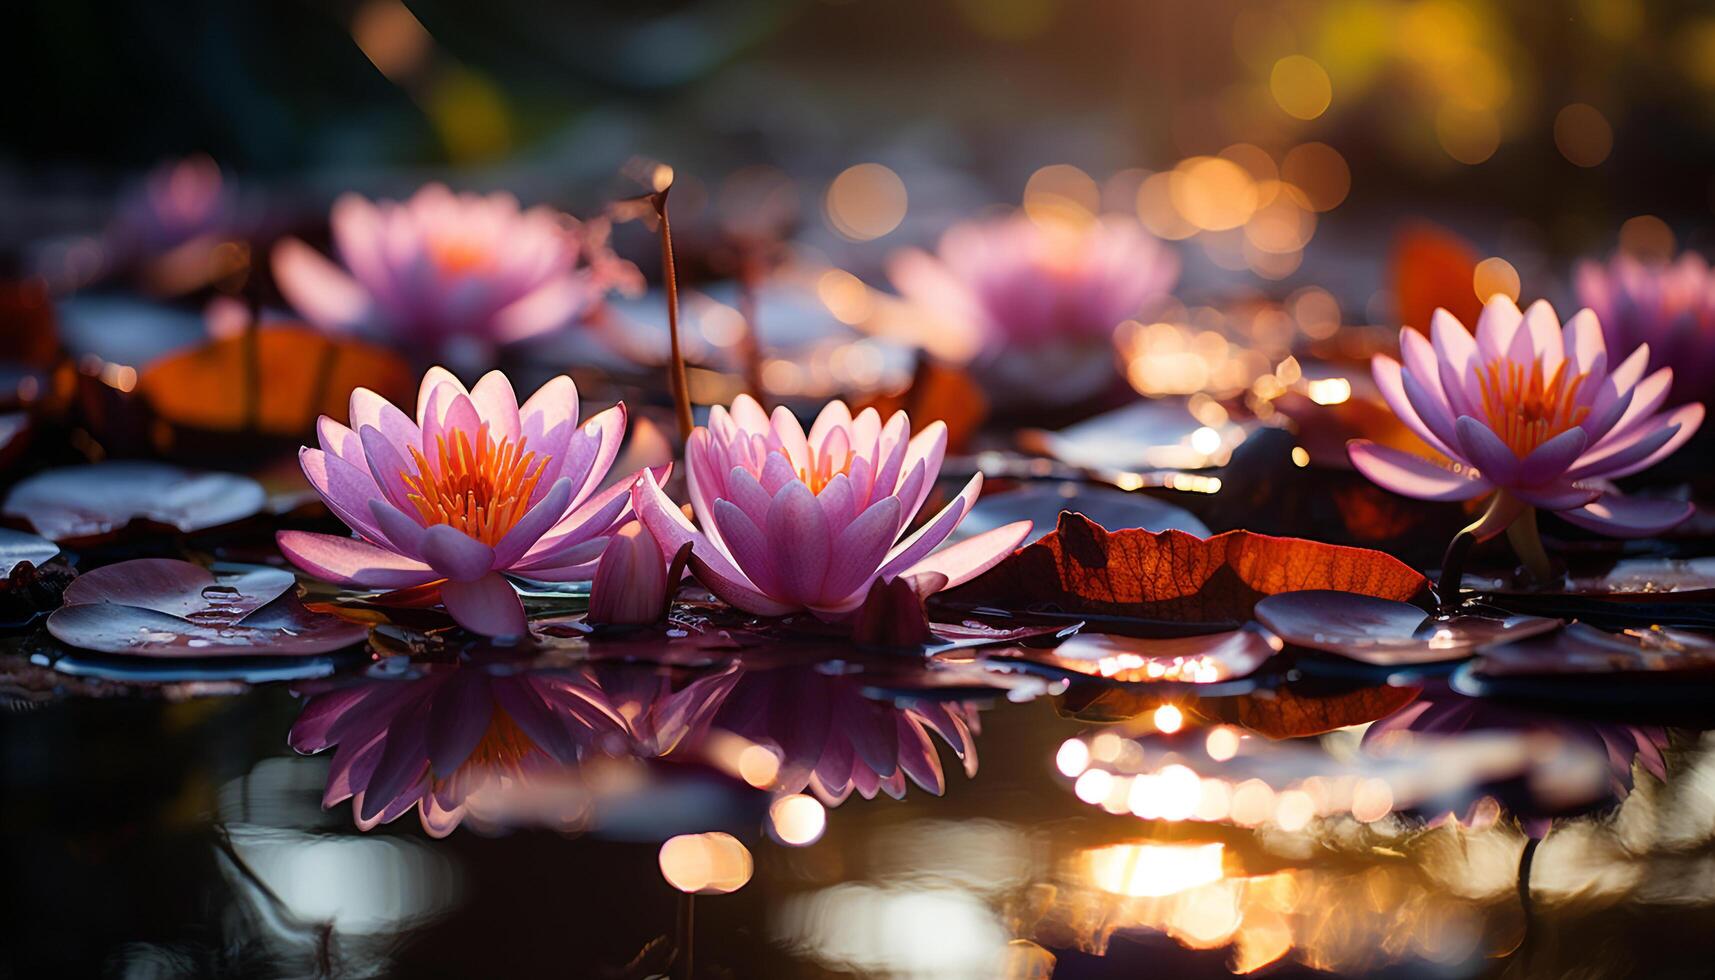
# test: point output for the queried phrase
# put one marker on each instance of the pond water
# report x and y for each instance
(178, 830)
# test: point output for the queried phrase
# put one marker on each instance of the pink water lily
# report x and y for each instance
(1537, 414)
(455, 274)
(793, 521)
(476, 486)
(1669, 306)
(633, 583)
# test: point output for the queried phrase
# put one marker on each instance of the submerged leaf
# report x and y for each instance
(1294, 711)
(162, 607)
(79, 503)
(1387, 633)
(1177, 582)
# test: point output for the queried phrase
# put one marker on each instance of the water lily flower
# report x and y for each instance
(793, 522)
(476, 486)
(1537, 415)
(436, 740)
(453, 274)
(1007, 293)
(1670, 307)
(177, 202)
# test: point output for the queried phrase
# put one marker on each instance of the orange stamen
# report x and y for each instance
(457, 257)
(821, 470)
(1528, 409)
(481, 489)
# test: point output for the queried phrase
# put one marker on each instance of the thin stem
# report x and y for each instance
(749, 345)
(252, 354)
(1527, 543)
(670, 279)
(687, 936)
(1502, 512)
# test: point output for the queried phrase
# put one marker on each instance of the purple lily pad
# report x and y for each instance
(1583, 649)
(1385, 633)
(1206, 659)
(161, 607)
(79, 503)
(17, 547)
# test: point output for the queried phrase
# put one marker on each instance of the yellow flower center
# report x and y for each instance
(457, 257)
(822, 469)
(482, 490)
(1528, 409)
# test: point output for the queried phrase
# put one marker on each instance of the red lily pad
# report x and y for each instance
(83, 503)
(1386, 633)
(162, 607)
(1174, 583)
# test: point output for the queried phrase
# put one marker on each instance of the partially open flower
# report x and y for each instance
(793, 522)
(1533, 413)
(1009, 292)
(1670, 307)
(453, 274)
(476, 486)
(634, 582)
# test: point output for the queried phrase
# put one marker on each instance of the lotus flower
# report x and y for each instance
(436, 739)
(1671, 308)
(176, 203)
(475, 487)
(1015, 291)
(454, 274)
(795, 522)
(1531, 412)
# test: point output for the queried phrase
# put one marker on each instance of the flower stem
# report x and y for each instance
(1527, 543)
(1502, 512)
(670, 280)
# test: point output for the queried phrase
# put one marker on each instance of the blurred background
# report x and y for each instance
(1536, 130)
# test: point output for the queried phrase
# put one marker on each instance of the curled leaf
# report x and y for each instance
(161, 607)
(80, 503)
(1386, 633)
(1178, 583)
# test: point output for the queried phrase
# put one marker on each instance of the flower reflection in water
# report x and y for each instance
(504, 743)
(433, 740)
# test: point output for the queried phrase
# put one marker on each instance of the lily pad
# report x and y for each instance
(1041, 504)
(82, 503)
(161, 607)
(1156, 434)
(1630, 579)
(1386, 633)
(1204, 663)
(17, 547)
(1173, 583)
(1583, 649)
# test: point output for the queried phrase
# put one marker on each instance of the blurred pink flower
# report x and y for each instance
(435, 740)
(451, 273)
(1024, 283)
(1532, 411)
(475, 487)
(1670, 307)
(177, 202)
(833, 739)
(791, 522)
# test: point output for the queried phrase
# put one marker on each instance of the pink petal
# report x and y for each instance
(318, 289)
(791, 437)
(348, 561)
(535, 522)
(597, 442)
(1485, 450)
(487, 605)
(345, 489)
(834, 415)
(337, 440)
(1454, 350)
(553, 405)
(386, 466)
(403, 533)
(1687, 418)
(929, 537)
(497, 404)
(1584, 344)
(1551, 459)
(1563, 495)
(798, 537)
(432, 381)
(1543, 328)
(928, 447)
(549, 307)
(1639, 449)
(712, 565)
(1411, 475)
(455, 554)
(747, 542)
(859, 551)
(1628, 517)
(1390, 380)
(1496, 327)
(972, 556)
